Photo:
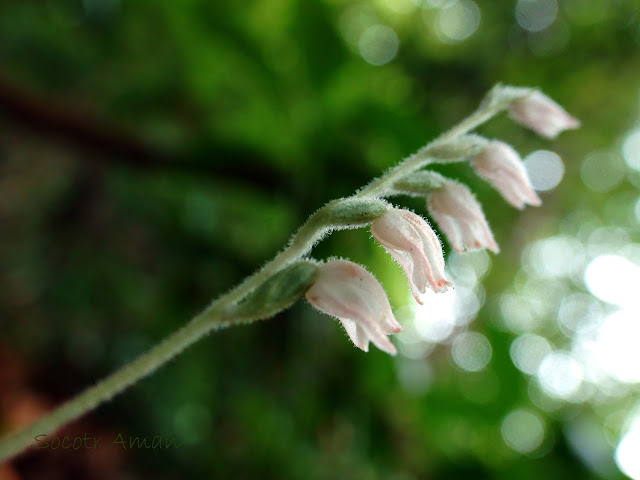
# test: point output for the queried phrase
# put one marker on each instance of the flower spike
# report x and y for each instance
(501, 166)
(410, 240)
(542, 115)
(458, 213)
(349, 292)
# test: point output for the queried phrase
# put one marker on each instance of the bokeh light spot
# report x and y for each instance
(378, 45)
(626, 456)
(471, 351)
(415, 375)
(616, 349)
(354, 21)
(554, 257)
(607, 240)
(459, 20)
(536, 15)
(468, 268)
(631, 149)
(545, 169)
(602, 171)
(560, 375)
(517, 314)
(527, 352)
(579, 312)
(439, 3)
(522, 431)
(549, 41)
(401, 6)
(435, 320)
(614, 279)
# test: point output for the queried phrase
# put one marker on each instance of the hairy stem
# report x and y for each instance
(422, 158)
(213, 317)
(110, 386)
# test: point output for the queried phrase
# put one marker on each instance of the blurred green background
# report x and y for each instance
(152, 154)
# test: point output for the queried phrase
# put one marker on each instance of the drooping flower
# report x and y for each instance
(542, 115)
(459, 215)
(349, 292)
(410, 240)
(501, 166)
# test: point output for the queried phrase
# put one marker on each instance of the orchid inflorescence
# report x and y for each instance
(340, 287)
(350, 293)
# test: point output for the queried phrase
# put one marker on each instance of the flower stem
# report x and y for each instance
(421, 158)
(113, 384)
(214, 316)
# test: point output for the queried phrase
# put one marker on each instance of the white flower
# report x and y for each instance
(542, 115)
(500, 165)
(459, 215)
(409, 239)
(347, 291)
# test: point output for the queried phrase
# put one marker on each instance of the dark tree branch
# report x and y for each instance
(112, 144)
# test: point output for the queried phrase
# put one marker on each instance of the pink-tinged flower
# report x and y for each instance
(349, 292)
(410, 240)
(460, 216)
(501, 166)
(542, 115)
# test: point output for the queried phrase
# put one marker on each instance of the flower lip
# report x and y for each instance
(350, 293)
(501, 166)
(410, 240)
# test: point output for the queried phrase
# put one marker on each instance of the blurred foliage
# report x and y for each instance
(152, 154)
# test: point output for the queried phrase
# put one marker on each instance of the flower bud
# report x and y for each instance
(278, 292)
(501, 96)
(409, 239)
(542, 115)
(352, 212)
(349, 292)
(459, 215)
(500, 165)
(419, 183)
(457, 149)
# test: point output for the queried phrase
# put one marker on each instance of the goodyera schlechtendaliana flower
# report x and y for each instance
(349, 292)
(410, 240)
(542, 115)
(458, 213)
(342, 288)
(501, 166)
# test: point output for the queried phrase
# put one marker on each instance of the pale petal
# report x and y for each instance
(433, 256)
(542, 114)
(410, 240)
(350, 293)
(356, 333)
(416, 285)
(460, 216)
(501, 166)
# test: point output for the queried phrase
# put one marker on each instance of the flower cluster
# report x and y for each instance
(349, 292)
(342, 288)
